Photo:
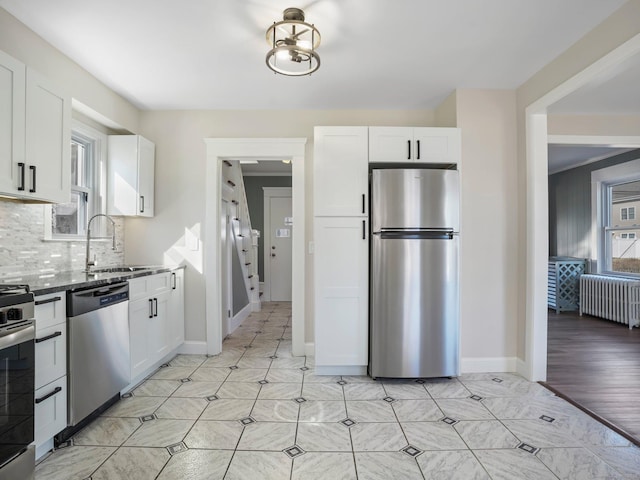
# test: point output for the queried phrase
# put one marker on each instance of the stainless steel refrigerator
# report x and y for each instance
(414, 273)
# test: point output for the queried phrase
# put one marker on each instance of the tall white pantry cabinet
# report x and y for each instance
(341, 227)
(341, 224)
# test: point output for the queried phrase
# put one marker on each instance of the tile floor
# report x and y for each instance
(255, 412)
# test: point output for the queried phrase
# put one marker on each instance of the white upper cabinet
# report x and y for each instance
(420, 145)
(12, 125)
(131, 175)
(35, 135)
(48, 150)
(341, 171)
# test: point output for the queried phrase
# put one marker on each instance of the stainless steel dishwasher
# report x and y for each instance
(99, 367)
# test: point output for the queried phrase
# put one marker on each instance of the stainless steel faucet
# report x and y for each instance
(90, 263)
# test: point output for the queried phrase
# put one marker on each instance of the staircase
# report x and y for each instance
(244, 241)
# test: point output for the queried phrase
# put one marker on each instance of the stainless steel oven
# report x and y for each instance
(17, 361)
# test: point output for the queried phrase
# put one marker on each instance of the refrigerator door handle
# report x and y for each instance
(417, 234)
(364, 229)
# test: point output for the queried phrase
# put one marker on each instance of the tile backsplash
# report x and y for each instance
(23, 250)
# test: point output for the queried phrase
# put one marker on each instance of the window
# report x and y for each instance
(88, 154)
(628, 213)
(621, 249)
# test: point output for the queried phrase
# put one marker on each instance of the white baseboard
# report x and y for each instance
(310, 349)
(193, 348)
(341, 370)
(239, 318)
(488, 364)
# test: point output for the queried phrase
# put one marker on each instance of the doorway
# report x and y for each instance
(275, 149)
(278, 222)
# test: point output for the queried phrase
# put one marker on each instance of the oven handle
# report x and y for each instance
(17, 335)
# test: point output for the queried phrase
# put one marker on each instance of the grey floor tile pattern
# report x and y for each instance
(260, 413)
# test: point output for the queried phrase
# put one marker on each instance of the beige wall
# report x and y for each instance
(21, 43)
(180, 181)
(489, 276)
(597, 125)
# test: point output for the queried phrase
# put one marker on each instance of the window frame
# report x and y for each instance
(96, 176)
(602, 182)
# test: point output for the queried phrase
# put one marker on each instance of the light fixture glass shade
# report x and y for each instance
(293, 45)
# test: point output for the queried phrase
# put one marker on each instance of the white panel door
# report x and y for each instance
(176, 309)
(140, 314)
(391, 144)
(437, 145)
(48, 140)
(146, 173)
(12, 126)
(340, 171)
(342, 291)
(278, 250)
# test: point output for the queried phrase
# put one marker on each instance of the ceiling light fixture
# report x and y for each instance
(293, 45)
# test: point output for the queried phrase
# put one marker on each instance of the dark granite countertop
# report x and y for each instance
(73, 280)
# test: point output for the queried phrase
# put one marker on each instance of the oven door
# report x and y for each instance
(16, 394)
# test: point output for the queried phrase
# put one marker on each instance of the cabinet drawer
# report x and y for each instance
(149, 285)
(50, 310)
(50, 410)
(51, 354)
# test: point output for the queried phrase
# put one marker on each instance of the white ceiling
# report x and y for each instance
(376, 54)
(266, 167)
(564, 157)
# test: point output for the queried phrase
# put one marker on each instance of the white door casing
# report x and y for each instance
(534, 367)
(277, 244)
(275, 149)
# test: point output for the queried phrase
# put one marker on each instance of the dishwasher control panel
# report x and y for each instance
(116, 297)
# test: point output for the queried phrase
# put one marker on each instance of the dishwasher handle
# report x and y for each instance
(101, 292)
(88, 300)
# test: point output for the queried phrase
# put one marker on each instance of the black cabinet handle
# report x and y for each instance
(141, 203)
(363, 200)
(409, 149)
(48, 337)
(49, 395)
(33, 178)
(418, 149)
(155, 305)
(150, 308)
(48, 300)
(21, 168)
(231, 183)
(175, 281)
(364, 228)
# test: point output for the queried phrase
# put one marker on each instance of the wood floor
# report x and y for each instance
(596, 363)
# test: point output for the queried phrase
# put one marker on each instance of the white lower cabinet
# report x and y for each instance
(176, 309)
(342, 291)
(154, 324)
(50, 369)
(140, 314)
(50, 410)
